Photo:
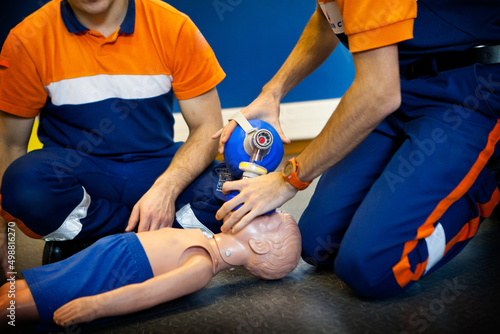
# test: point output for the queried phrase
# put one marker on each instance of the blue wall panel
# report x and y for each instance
(252, 38)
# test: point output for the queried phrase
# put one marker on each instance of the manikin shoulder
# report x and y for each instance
(170, 248)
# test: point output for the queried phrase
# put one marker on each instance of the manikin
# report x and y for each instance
(129, 272)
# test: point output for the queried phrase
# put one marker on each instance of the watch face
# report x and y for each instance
(287, 170)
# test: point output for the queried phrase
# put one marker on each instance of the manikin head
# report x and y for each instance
(269, 247)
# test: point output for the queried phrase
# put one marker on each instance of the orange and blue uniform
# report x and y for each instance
(414, 192)
(105, 106)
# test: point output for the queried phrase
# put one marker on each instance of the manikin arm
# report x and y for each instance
(315, 45)
(193, 275)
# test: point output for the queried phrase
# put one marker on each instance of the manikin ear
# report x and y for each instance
(259, 247)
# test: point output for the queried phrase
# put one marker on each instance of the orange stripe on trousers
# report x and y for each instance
(470, 229)
(402, 271)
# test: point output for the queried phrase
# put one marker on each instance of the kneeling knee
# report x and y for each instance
(26, 193)
(366, 278)
(20, 184)
(321, 252)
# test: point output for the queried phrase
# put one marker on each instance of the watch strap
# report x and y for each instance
(293, 178)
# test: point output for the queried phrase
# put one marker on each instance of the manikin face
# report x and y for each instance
(234, 253)
(259, 227)
(92, 7)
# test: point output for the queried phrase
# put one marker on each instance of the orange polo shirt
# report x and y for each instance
(371, 24)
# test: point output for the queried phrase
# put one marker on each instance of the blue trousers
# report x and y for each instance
(413, 193)
(47, 187)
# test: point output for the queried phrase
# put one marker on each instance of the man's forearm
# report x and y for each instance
(203, 117)
(374, 94)
(192, 158)
(156, 208)
(315, 45)
(14, 136)
(7, 156)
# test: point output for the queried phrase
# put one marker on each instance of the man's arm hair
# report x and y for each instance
(315, 45)
(374, 94)
(14, 137)
(15, 133)
(203, 117)
(156, 208)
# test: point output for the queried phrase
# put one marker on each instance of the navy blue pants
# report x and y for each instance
(91, 196)
(410, 196)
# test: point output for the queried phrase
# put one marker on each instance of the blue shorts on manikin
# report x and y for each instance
(110, 263)
(414, 192)
(64, 194)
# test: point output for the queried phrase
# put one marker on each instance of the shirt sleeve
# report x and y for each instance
(22, 92)
(196, 69)
(371, 24)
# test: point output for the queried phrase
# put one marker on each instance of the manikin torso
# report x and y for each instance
(168, 248)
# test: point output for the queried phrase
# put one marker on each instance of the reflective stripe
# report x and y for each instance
(436, 246)
(71, 225)
(402, 271)
(470, 229)
(187, 219)
(103, 86)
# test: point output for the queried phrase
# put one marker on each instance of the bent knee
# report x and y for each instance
(317, 254)
(20, 184)
(318, 249)
(365, 276)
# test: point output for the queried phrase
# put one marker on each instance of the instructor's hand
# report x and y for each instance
(155, 210)
(264, 107)
(259, 195)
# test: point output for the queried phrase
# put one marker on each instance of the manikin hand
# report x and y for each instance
(264, 107)
(259, 195)
(155, 210)
(77, 311)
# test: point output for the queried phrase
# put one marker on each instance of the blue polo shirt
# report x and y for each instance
(451, 25)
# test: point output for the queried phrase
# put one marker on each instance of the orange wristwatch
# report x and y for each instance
(290, 172)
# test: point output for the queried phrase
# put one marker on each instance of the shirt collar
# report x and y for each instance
(128, 24)
(74, 26)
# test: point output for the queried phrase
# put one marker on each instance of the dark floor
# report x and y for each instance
(461, 297)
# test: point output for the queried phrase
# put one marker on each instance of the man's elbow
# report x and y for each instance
(387, 99)
(393, 101)
(12, 150)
